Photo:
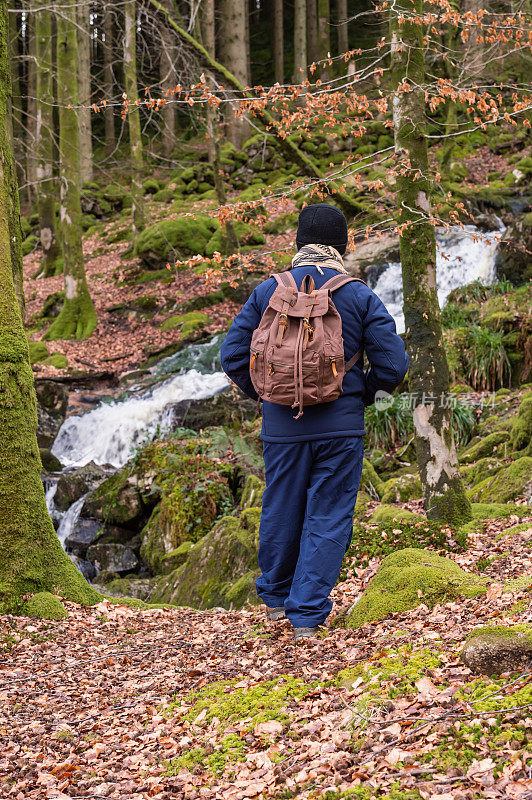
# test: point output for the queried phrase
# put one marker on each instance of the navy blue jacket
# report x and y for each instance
(365, 323)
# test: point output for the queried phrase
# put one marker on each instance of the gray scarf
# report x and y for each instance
(319, 255)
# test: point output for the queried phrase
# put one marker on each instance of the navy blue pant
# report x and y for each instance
(306, 523)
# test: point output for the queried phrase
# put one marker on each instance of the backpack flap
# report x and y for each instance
(298, 304)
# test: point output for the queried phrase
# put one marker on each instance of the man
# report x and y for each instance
(313, 461)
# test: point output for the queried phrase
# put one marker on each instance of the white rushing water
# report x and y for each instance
(464, 255)
(109, 433)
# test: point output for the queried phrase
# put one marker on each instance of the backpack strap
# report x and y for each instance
(337, 281)
(285, 279)
(353, 360)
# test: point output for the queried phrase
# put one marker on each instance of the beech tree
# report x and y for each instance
(300, 41)
(131, 108)
(444, 496)
(84, 85)
(77, 317)
(31, 557)
(278, 41)
(168, 79)
(44, 155)
(235, 28)
(108, 78)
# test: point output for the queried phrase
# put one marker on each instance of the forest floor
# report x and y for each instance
(118, 702)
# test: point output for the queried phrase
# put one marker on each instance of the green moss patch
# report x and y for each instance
(188, 324)
(45, 605)
(508, 484)
(401, 489)
(521, 432)
(174, 239)
(408, 578)
(38, 351)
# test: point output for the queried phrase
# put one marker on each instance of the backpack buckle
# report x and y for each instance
(281, 330)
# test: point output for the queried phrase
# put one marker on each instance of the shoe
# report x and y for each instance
(275, 614)
(305, 633)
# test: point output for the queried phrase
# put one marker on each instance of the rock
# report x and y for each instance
(49, 462)
(139, 588)
(408, 578)
(52, 402)
(481, 469)
(488, 222)
(82, 536)
(252, 494)
(75, 483)
(224, 409)
(496, 648)
(244, 450)
(45, 605)
(401, 489)
(175, 558)
(514, 262)
(172, 239)
(486, 446)
(386, 513)
(370, 483)
(508, 484)
(87, 569)
(117, 500)
(521, 432)
(248, 236)
(112, 557)
(372, 255)
(220, 568)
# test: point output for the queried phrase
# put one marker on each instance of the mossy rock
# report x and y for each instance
(361, 505)
(151, 186)
(50, 463)
(38, 351)
(174, 239)
(45, 605)
(497, 510)
(188, 324)
(175, 558)
(486, 446)
(282, 223)
(29, 244)
(218, 571)
(52, 305)
(401, 489)
(495, 649)
(117, 500)
(57, 360)
(164, 196)
(386, 513)
(252, 493)
(508, 484)
(521, 432)
(473, 473)
(248, 236)
(370, 483)
(408, 578)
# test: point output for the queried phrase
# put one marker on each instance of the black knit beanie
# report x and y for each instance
(322, 224)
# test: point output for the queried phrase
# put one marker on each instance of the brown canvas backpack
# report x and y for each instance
(297, 352)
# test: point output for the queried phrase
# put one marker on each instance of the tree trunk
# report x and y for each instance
(209, 43)
(15, 101)
(44, 141)
(133, 115)
(77, 318)
(278, 41)
(32, 560)
(343, 42)
(349, 205)
(324, 36)
(86, 170)
(31, 108)
(108, 78)
(429, 374)
(300, 41)
(236, 59)
(168, 78)
(312, 31)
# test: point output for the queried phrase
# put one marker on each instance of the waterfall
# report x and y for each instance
(69, 519)
(110, 432)
(464, 255)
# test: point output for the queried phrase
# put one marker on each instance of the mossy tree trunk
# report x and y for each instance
(133, 114)
(44, 153)
(300, 41)
(168, 78)
(31, 106)
(31, 558)
(108, 78)
(77, 319)
(208, 36)
(429, 374)
(86, 168)
(15, 117)
(278, 41)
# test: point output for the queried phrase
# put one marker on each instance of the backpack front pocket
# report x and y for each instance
(279, 383)
(333, 375)
(256, 369)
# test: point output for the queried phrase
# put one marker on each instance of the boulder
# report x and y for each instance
(521, 432)
(49, 462)
(224, 409)
(172, 239)
(507, 484)
(401, 489)
(112, 557)
(484, 447)
(139, 588)
(386, 513)
(83, 535)
(75, 483)
(513, 261)
(52, 402)
(45, 605)
(494, 649)
(408, 578)
(370, 483)
(220, 568)
(175, 558)
(473, 473)
(252, 493)
(117, 500)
